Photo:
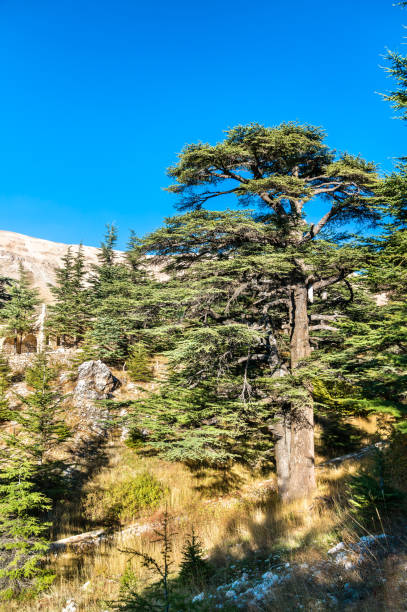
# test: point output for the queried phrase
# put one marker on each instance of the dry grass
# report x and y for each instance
(235, 514)
(230, 526)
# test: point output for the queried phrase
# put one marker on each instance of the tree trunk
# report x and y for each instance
(299, 345)
(41, 332)
(295, 430)
(18, 343)
(282, 451)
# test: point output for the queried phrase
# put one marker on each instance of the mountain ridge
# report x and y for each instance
(39, 257)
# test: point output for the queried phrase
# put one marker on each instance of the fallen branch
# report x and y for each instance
(361, 453)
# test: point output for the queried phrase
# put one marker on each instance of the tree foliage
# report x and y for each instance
(19, 312)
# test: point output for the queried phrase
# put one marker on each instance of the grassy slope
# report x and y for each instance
(236, 515)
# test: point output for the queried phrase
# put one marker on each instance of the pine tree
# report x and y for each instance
(193, 569)
(372, 359)
(157, 597)
(138, 363)
(5, 382)
(41, 426)
(5, 284)
(19, 311)
(23, 545)
(254, 282)
(69, 316)
(120, 300)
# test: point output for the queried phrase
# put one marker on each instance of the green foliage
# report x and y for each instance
(194, 570)
(204, 425)
(225, 313)
(280, 163)
(158, 597)
(5, 381)
(120, 291)
(23, 545)
(139, 363)
(69, 315)
(41, 426)
(87, 351)
(398, 70)
(110, 342)
(5, 283)
(125, 499)
(5, 373)
(18, 313)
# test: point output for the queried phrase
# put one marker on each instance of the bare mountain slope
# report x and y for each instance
(39, 257)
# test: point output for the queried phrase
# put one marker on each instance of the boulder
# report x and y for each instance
(95, 381)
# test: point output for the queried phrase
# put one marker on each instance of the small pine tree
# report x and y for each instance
(23, 545)
(69, 315)
(19, 312)
(5, 381)
(194, 569)
(157, 597)
(139, 363)
(41, 426)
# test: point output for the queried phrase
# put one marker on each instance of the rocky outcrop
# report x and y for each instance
(95, 382)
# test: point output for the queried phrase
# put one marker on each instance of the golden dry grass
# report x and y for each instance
(235, 514)
(231, 525)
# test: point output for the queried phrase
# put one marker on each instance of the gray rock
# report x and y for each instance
(95, 381)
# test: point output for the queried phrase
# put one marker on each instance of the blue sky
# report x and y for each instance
(98, 97)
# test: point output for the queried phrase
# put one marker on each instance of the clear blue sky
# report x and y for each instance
(98, 97)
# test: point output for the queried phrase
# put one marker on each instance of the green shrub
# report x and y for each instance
(127, 498)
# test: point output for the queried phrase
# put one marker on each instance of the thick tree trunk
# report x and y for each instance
(295, 429)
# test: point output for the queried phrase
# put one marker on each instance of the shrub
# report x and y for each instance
(127, 498)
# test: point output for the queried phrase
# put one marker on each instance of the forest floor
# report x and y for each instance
(310, 555)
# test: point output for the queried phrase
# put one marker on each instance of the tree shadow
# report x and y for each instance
(87, 457)
(216, 482)
(339, 436)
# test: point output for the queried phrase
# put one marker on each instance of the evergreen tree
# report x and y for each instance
(194, 569)
(69, 315)
(398, 71)
(253, 282)
(19, 311)
(157, 597)
(5, 284)
(23, 543)
(121, 300)
(373, 359)
(5, 382)
(41, 427)
(139, 363)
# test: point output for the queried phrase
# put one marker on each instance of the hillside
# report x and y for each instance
(39, 257)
